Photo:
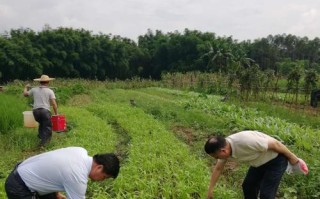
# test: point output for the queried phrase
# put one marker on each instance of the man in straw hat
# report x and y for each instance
(42, 97)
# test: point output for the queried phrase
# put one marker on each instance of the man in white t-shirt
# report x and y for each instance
(268, 159)
(68, 169)
(43, 97)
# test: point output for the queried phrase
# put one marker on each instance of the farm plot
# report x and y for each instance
(206, 115)
(159, 135)
(158, 164)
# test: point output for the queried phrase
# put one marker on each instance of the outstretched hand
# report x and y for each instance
(298, 168)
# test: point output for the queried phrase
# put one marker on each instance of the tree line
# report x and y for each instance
(78, 53)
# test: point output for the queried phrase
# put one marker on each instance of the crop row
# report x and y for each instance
(207, 111)
(158, 164)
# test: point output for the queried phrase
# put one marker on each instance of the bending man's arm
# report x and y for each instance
(216, 172)
(278, 147)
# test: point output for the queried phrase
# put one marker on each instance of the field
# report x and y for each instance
(159, 135)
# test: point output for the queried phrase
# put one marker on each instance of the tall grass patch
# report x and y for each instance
(11, 110)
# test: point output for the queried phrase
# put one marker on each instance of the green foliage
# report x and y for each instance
(159, 133)
(286, 66)
(77, 53)
(11, 110)
(163, 171)
(298, 117)
(310, 80)
(231, 118)
(63, 94)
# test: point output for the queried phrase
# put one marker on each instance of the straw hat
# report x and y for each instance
(43, 78)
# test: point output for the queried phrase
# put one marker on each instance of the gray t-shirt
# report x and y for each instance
(65, 169)
(41, 96)
(251, 147)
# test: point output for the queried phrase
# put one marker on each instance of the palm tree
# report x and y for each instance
(220, 57)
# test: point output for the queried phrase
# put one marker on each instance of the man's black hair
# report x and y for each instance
(214, 144)
(110, 162)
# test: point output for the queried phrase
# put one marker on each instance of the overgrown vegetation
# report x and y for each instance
(251, 85)
(11, 110)
(159, 134)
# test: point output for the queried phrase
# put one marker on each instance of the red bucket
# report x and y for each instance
(58, 123)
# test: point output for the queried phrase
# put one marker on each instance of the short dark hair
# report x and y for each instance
(110, 162)
(214, 144)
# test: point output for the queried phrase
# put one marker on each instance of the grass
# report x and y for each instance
(164, 169)
(159, 134)
(302, 117)
(11, 110)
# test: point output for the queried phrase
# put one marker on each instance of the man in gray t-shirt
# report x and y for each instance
(43, 96)
(268, 159)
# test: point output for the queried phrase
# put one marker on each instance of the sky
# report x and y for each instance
(241, 19)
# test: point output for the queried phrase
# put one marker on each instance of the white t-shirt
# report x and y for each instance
(41, 96)
(65, 169)
(251, 147)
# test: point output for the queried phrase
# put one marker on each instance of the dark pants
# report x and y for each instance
(17, 189)
(43, 117)
(264, 180)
